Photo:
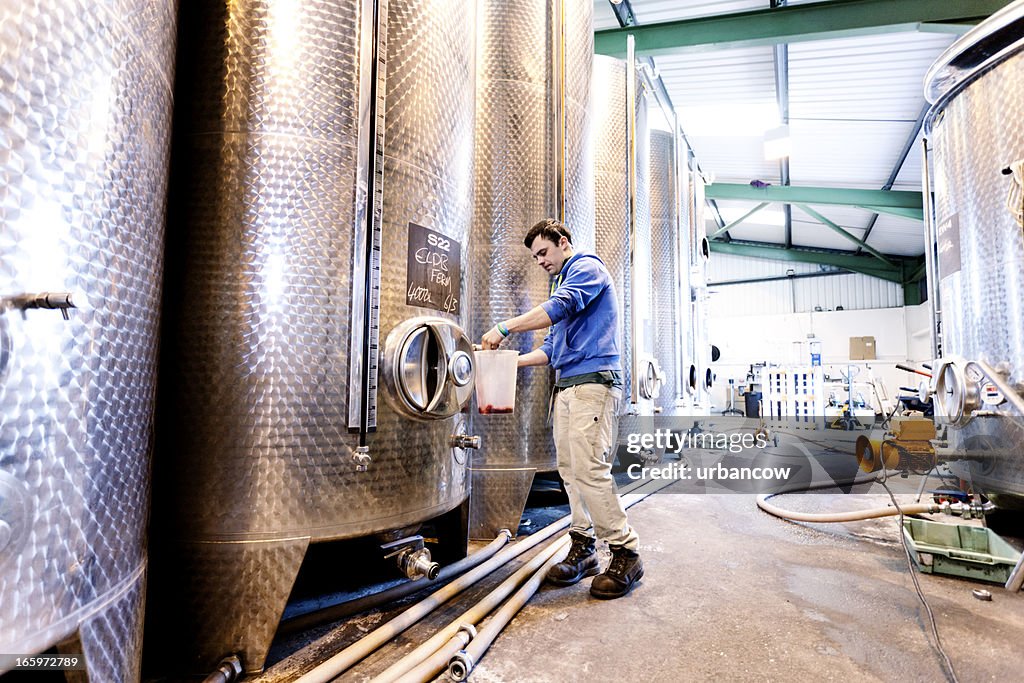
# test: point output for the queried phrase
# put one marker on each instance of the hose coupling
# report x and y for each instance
(361, 458)
(468, 632)
(229, 669)
(460, 665)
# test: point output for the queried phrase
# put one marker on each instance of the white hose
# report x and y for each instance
(852, 516)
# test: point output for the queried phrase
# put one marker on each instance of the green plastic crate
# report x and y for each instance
(971, 552)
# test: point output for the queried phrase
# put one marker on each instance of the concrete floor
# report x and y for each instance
(733, 594)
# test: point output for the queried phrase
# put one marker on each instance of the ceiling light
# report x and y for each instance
(729, 120)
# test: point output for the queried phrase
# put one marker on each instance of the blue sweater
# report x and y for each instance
(584, 312)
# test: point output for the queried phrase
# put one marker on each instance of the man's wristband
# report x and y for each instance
(501, 328)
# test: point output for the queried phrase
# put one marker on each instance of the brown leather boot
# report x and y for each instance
(580, 562)
(624, 571)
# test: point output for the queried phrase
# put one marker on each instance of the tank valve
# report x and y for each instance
(465, 441)
(417, 563)
(412, 557)
(361, 458)
(60, 301)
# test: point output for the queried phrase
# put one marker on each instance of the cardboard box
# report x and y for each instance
(862, 348)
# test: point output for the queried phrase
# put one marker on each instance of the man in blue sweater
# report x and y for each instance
(583, 347)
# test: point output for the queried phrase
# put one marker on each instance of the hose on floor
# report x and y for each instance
(356, 652)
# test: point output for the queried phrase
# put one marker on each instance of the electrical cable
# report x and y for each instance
(917, 587)
(880, 477)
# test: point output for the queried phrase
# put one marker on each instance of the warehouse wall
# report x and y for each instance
(851, 291)
(901, 334)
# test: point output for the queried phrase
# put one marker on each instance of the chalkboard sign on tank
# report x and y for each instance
(435, 270)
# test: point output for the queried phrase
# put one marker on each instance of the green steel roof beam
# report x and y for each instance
(856, 240)
(912, 294)
(918, 274)
(866, 265)
(914, 214)
(951, 29)
(877, 199)
(791, 24)
(730, 226)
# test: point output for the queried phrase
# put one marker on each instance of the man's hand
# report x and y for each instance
(491, 339)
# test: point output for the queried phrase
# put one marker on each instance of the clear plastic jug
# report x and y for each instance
(496, 381)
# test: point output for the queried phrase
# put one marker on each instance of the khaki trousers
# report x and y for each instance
(586, 420)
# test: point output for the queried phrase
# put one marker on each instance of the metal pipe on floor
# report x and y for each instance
(471, 616)
(362, 648)
(430, 658)
(463, 662)
(336, 612)
(428, 669)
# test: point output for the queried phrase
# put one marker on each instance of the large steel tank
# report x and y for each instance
(315, 363)
(700, 376)
(623, 225)
(671, 272)
(976, 248)
(85, 92)
(533, 161)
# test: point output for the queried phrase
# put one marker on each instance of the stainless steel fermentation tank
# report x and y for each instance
(976, 250)
(670, 257)
(533, 161)
(699, 376)
(315, 359)
(85, 92)
(623, 226)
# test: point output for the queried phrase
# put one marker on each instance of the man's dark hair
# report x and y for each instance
(549, 229)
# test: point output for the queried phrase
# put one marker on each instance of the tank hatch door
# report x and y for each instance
(428, 368)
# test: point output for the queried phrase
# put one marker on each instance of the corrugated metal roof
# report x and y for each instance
(653, 11)
(734, 159)
(852, 105)
(710, 91)
(851, 291)
(875, 78)
(900, 236)
(604, 17)
(850, 153)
